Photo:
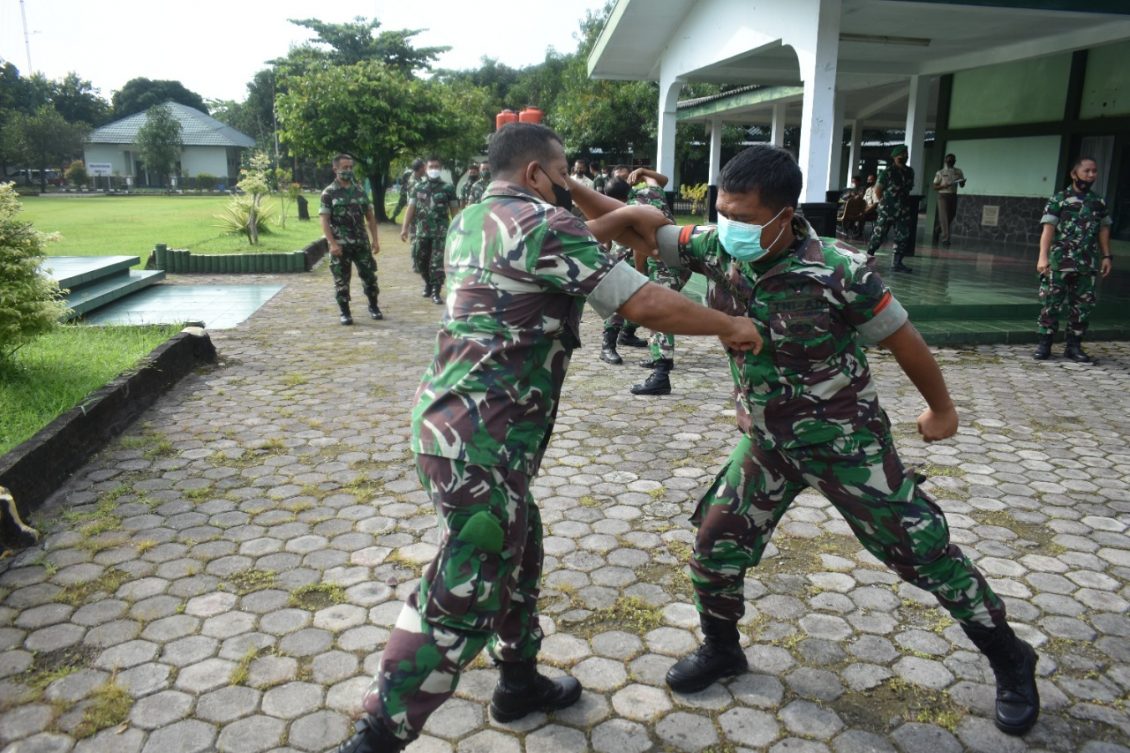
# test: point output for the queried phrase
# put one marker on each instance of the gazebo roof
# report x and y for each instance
(197, 129)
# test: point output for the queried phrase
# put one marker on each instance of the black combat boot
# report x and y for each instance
(608, 352)
(1043, 347)
(657, 382)
(628, 337)
(898, 266)
(427, 290)
(522, 690)
(1073, 349)
(346, 318)
(720, 655)
(436, 296)
(374, 310)
(1014, 664)
(371, 737)
(651, 363)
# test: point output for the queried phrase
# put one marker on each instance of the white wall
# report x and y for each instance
(115, 154)
(1008, 167)
(204, 159)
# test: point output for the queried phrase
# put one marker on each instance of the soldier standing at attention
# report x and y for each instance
(430, 208)
(810, 417)
(475, 195)
(1076, 233)
(408, 179)
(893, 191)
(345, 212)
(522, 267)
(472, 178)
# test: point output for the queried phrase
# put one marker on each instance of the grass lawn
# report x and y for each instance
(55, 372)
(132, 225)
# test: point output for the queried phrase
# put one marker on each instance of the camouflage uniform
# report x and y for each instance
(810, 416)
(433, 200)
(1074, 260)
(894, 210)
(347, 207)
(520, 272)
(465, 191)
(660, 345)
(475, 195)
(406, 181)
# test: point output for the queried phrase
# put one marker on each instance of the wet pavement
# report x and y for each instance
(223, 576)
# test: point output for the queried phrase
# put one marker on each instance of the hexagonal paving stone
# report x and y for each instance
(292, 700)
(620, 736)
(227, 704)
(189, 736)
(749, 727)
(687, 732)
(641, 703)
(251, 735)
(810, 720)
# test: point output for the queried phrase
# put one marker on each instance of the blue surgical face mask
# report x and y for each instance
(743, 240)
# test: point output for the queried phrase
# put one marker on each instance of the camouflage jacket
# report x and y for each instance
(815, 307)
(475, 195)
(465, 191)
(645, 193)
(347, 207)
(518, 274)
(433, 200)
(407, 178)
(897, 184)
(1077, 220)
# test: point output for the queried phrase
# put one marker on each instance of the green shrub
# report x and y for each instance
(206, 181)
(30, 302)
(76, 173)
(236, 216)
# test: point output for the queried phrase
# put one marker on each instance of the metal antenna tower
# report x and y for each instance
(27, 42)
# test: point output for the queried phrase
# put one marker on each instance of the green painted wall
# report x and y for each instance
(1008, 167)
(1106, 86)
(1030, 91)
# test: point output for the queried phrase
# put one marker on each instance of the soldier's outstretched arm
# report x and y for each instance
(593, 203)
(663, 310)
(939, 420)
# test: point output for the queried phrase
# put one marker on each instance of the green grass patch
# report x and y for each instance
(57, 371)
(79, 594)
(249, 581)
(317, 596)
(132, 225)
(109, 705)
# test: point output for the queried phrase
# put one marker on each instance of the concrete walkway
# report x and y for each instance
(223, 577)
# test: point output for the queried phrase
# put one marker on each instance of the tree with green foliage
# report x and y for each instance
(375, 113)
(159, 141)
(43, 139)
(356, 41)
(76, 173)
(140, 94)
(30, 302)
(78, 101)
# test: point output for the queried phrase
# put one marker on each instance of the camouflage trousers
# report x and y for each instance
(341, 267)
(617, 322)
(864, 479)
(480, 590)
(427, 259)
(1068, 289)
(661, 344)
(896, 221)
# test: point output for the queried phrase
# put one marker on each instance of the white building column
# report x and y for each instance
(777, 133)
(916, 107)
(668, 100)
(817, 54)
(836, 156)
(856, 150)
(715, 170)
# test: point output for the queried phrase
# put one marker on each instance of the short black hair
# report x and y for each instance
(417, 163)
(516, 144)
(617, 188)
(342, 155)
(1080, 160)
(434, 158)
(769, 170)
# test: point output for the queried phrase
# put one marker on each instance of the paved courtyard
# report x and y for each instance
(223, 577)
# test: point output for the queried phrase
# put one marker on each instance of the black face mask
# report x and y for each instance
(561, 195)
(1083, 186)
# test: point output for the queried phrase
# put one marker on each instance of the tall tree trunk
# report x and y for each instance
(378, 181)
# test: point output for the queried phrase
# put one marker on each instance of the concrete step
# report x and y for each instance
(106, 289)
(74, 271)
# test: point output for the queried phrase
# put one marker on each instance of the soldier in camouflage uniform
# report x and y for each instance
(345, 211)
(614, 325)
(810, 417)
(430, 208)
(894, 187)
(521, 268)
(647, 188)
(469, 182)
(1076, 232)
(475, 195)
(407, 180)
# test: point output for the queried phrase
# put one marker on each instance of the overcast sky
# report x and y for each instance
(214, 47)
